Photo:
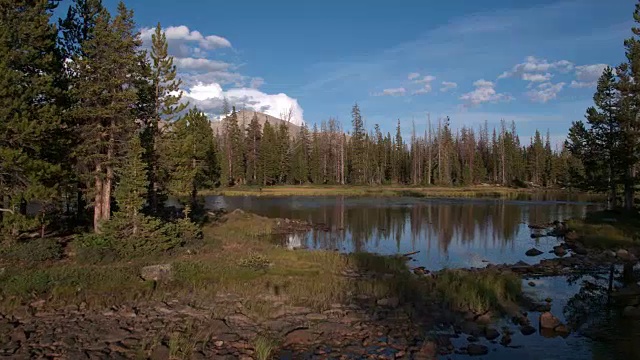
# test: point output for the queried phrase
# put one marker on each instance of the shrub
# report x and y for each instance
(35, 250)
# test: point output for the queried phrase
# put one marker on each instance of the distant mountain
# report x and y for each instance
(245, 116)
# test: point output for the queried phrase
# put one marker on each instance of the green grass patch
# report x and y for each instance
(477, 291)
(608, 229)
(264, 347)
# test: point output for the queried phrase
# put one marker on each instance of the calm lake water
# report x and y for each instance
(468, 233)
(447, 232)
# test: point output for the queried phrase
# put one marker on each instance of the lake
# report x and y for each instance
(456, 233)
(448, 233)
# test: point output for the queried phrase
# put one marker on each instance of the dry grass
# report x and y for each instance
(316, 190)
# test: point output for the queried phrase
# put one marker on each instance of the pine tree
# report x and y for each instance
(358, 147)
(254, 135)
(166, 105)
(315, 161)
(105, 92)
(131, 191)
(284, 152)
(30, 121)
(301, 154)
(268, 155)
(233, 165)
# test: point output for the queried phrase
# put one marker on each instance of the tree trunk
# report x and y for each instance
(629, 191)
(97, 206)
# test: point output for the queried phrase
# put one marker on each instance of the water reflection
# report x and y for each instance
(447, 232)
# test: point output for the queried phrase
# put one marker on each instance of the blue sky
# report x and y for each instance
(534, 62)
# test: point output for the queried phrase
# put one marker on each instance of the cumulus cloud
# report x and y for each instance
(392, 92)
(209, 98)
(424, 90)
(201, 64)
(587, 75)
(536, 77)
(256, 82)
(545, 92)
(534, 65)
(425, 79)
(180, 37)
(448, 85)
(413, 76)
(484, 92)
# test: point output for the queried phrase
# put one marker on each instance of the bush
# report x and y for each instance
(36, 250)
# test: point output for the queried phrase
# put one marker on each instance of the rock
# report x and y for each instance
(610, 253)
(506, 340)
(218, 343)
(428, 351)
(477, 349)
(537, 235)
(391, 302)
(580, 250)
(548, 321)
(559, 250)
(527, 330)
(471, 328)
(533, 252)
(491, 333)
(562, 329)
(472, 339)
(300, 336)
(631, 312)
(37, 304)
(531, 283)
(623, 254)
(156, 272)
(484, 319)
(160, 352)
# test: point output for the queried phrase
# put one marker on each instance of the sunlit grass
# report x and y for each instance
(477, 291)
(607, 229)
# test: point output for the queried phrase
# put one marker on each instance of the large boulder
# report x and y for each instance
(548, 321)
(156, 272)
(623, 254)
(477, 349)
(533, 252)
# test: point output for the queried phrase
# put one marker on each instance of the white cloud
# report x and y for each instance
(535, 65)
(179, 35)
(545, 92)
(201, 64)
(256, 82)
(425, 89)
(208, 98)
(413, 75)
(588, 75)
(484, 93)
(448, 85)
(392, 92)
(536, 77)
(425, 79)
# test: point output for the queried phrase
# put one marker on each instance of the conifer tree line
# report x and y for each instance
(271, 155)
(607, 143)
(93, 126)
(89, 125)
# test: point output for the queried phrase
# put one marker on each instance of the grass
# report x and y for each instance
(384, 190)
(237, 257)
(477, 292)
(607, 229)
(264, 348)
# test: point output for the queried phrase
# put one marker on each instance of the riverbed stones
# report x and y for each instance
(491, 333)
(527, 330)
(548, 321)
(559, 250)
(533, 252)
(477, 350)
(623, 254)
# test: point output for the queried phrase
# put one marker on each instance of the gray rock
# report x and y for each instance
(533, 252)
(548, 321)
(156, 272)
(491, 333)
(623, 254)
(391, 302)
(527, 330)
(477, 349)
(559, 250)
